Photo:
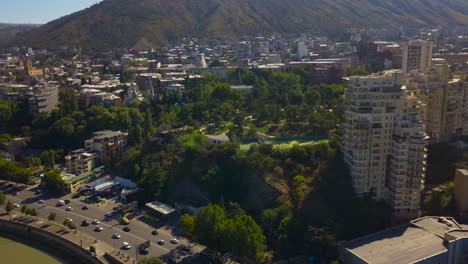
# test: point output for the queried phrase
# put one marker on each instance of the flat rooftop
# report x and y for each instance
(161, 207)
(412, 242)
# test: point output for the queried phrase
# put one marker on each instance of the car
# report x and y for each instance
(98, 228)
(67, 201)
(84, 207)
(108, 214)
(60, 202)
(38, 191)
(174, 241)
(16, 205)
(127, 229)
(155, 232)
(41, 201)
(69, 219)
(69, 208)
(161, 242)
(126, 245)
(116, 208)
(186, 248)
(85, 223)
(16, 193)
(95, 222)
(75, 196)
(115, 236)
(144, 251)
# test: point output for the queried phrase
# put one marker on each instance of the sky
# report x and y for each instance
(39, 11)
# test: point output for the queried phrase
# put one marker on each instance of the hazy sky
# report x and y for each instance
(39, 11)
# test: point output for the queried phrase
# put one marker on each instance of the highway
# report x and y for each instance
(140, 231)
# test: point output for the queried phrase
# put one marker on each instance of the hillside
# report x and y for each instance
(8, 31)
(123, 23)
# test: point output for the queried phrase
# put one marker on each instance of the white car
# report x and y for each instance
(69, 219)
(174, 241)
(95, 222)
(69, 208)
(126, 245)
(16, 205)
(60, 202)
(115, 236)
(98, 228)
(41, 201)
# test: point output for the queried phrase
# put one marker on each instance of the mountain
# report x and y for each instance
(123, 23)
(8, 31)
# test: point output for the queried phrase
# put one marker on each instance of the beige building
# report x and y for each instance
(79, 162)
(106, 142)
(417, 55)
(461, 192)
(384, 141)
(443, 99)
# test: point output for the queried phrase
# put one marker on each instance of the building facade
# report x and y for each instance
(106, 143)
(417, 54)
(384, 141)
(44, 99)
(79, 162)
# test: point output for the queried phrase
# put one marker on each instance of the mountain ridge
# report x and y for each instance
(123, 23)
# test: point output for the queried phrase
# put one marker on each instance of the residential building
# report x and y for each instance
(417, 55)
(79, 162)
(44, 98)
(427, 240)
(106, 143)
(384, 141)
(302, 48)
(461, 193)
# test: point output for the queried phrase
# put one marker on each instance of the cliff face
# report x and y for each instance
(122, 23)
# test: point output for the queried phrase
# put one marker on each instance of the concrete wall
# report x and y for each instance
(64, 246)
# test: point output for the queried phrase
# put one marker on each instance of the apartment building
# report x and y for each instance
(106, 142)
(384, 141)
(417, 54)
(444, 101)
(44, 98)
(79, 161)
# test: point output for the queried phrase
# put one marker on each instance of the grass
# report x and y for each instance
(286, 145)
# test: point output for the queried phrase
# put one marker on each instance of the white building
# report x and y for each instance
(417, 55)
(44, 98)
(302, 48)
(384, 141)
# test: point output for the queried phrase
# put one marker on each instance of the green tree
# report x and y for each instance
(2, 198)
(32, 211)
(150, 260)
(53, 181)
(187, 224)
(48, 159)
(5, 112)
(9, 207)
(5, 138)
(24, 209)
(52, 217)
(322, 242)
(68, 101)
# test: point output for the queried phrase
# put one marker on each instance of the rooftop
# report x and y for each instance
(412, 242)
(160, 207)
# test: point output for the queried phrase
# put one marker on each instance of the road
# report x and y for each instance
(140, 231)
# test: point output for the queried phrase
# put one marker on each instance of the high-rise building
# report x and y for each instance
(417, 55)
(44, 98)
(384, 141)
(302, 48)
(443, 98)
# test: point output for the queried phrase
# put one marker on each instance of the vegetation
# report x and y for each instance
(10, 171)
(53, 181)
(232, 231)
(69, 224)
(141, 22)
(52, 217)
(2, 198)
(8, 208)
(150, 260)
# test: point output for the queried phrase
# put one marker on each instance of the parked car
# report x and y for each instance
(174, 241)
(95, 222)
(161, 242)
(85, 223)
(126, 245)
(38, 191)
(98, 228)
(127, 229)
(115, 236)
(69, 208)
(84, 207)
(41, 201)
(155, 232)
(60, 202)
(16, 205)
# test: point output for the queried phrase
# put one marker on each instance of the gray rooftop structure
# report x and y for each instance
(423, 240)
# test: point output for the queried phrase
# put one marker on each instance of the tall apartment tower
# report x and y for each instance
(417, 55)
(302, 48)
(384, 141)
(444, 101)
